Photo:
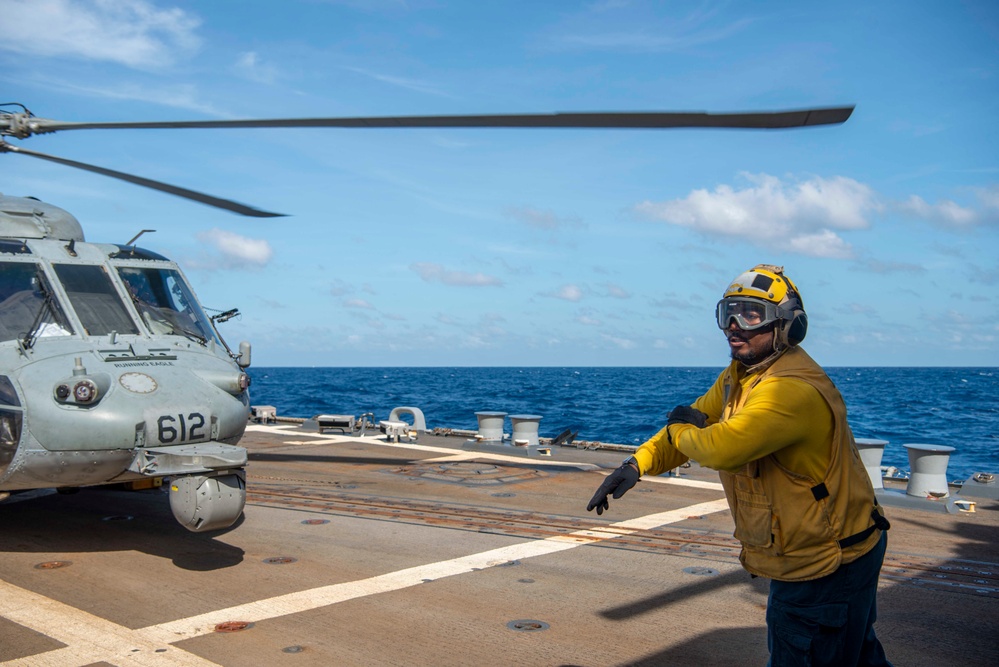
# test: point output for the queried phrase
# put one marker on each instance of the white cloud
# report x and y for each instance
(799, 216)
(250, 66)
(339, 287)
(566, 293)
(238, 251)
(616, 291)
(435, 273)
(990, 199)
(946, 212)
(545, 220)
(623, 343)
(888, 267)
(178, 96)
(357, 303)
(609, 26)
(134, 33)
(408, 84)
(822, 244)
(588, 317)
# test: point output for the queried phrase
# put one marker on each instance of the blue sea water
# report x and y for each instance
(944, 406)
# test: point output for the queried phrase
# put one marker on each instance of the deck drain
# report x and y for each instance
(280, 560)
(700, 571)
(53, 564)
(233, 626)
(315, 522)
(527, 626)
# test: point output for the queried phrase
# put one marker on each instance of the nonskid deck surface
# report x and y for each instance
(357, 551)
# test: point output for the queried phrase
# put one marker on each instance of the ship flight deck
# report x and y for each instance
(363, 551)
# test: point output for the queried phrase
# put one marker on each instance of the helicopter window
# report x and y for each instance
(94, 299)
(8, 396)
(165, 302)
(27, 303)
(131, 252)
(14, 247)
(10, 435)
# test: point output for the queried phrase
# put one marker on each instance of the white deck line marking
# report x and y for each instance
(672, 516)
(293, 603)
(92, 639)
(677, 481)
(89, 638)
(447, 451)
(683, 481)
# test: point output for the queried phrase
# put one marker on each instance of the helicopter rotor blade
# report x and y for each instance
(764, 120)
(24, 124)
(193, 195)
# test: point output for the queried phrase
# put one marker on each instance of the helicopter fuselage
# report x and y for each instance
(111, 372)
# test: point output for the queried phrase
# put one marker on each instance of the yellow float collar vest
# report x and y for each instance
(794, 528)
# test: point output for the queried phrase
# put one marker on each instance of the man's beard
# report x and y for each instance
(747, 357)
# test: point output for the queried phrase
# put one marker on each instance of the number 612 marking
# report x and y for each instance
(191, 427)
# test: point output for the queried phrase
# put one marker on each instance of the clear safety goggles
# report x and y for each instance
(749, 314)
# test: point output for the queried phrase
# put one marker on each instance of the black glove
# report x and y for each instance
(684, 414)
(617, 483)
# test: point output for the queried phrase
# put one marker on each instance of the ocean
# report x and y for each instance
(944, 406)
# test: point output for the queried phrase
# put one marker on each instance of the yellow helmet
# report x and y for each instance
(763, 296)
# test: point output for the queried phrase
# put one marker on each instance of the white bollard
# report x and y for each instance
(871, 450)
(525, 429)
(928, 470)
(491, 426)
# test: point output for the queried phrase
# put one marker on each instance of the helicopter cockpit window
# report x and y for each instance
(131, 252)
(8, 395)
(94, 299)
(14, 247)
(165, 303)
(28, 307)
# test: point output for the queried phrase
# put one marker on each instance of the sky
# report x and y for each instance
(527, 247)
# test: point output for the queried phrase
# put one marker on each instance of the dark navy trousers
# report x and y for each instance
(828, 621)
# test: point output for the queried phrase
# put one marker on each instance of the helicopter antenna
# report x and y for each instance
(25, 110)
(132, 240)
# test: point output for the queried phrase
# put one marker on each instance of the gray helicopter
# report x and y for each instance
(111, 371)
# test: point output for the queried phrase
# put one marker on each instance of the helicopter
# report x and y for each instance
(112, 372)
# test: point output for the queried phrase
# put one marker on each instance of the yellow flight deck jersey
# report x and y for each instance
(800, 496)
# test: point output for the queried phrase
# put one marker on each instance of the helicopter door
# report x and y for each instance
(95, 299)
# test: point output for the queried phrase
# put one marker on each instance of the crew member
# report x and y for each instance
(775, 427)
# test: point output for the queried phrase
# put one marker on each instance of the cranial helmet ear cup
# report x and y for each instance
(793, 331)
(794, 324)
